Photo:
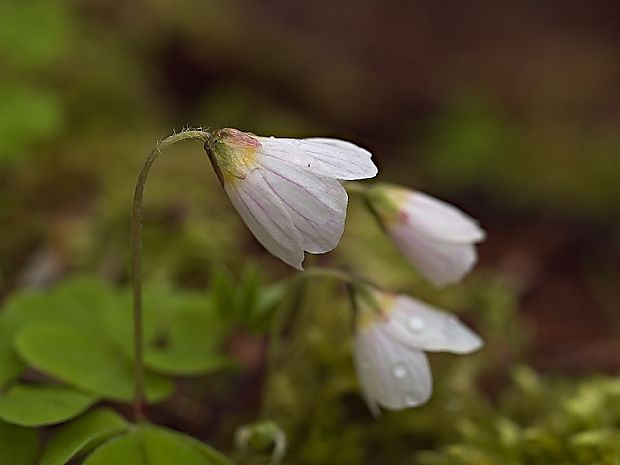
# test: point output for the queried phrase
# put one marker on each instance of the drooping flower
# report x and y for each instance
(436, 237)
(391, 335)
(287, 191)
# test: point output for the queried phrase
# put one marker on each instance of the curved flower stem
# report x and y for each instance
(136, 261)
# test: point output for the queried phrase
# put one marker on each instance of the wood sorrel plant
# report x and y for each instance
(290, 194)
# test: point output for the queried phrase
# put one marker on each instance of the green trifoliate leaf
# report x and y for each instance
(82, 435)
(214, 456)
(186, 347)
(149, 446)
(181, 333)
(80, 301)
(42, 405)
(86, 360)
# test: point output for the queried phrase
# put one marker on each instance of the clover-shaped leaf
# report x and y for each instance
(86, 360)
(42, 405)
(82, 435)
(151, 445)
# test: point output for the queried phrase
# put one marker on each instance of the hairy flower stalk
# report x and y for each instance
(136, 261)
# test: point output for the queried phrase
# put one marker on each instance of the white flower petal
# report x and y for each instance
(317, 205)
(326, 157)
(438, 261)
(392, 375)
(265, 215)
(439, 220)
(422, 326)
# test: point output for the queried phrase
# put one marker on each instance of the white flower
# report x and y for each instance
(287, 190)
(392, 333)
(435, 236)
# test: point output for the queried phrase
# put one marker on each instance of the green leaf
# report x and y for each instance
(42, 405)
(214, 456)
(18, 445)
(86, 360)
(148, 446)
(187, 346)
(180, 331)
(80, 301)
(10, 364)
(82, 435)
(224, 292)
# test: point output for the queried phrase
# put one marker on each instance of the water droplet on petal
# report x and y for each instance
(400, 371)
(410, 401)
(416, 323)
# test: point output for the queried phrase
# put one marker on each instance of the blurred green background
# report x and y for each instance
(510, 110)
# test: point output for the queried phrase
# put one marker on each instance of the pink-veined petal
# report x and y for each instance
(316, 204)
(326, 157)
(267, 218)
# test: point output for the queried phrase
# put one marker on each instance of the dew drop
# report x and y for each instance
(400, 371)
(416, 323)
(410, 401)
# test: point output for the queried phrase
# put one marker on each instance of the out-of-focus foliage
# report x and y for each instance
(29, 405)
(263, 439)
(246, 301)
(474, 143)
(540, 422)
(80, 333)
(150, 445)
(18, 444)
(83, 435)
(31, 109)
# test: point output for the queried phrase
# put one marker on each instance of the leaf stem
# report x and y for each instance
(136, 261)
